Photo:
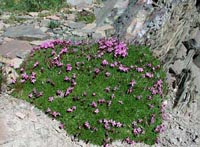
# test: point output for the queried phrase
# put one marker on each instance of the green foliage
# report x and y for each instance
(125, 107)
(86, 16)
(32, 5)
(53, 24)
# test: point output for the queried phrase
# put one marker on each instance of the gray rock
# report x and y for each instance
(79, 2)
(75, 25)
(25, 33)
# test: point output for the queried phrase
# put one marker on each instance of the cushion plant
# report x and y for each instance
(100, 92)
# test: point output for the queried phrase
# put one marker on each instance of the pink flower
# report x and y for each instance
(63, 51)
(123, 68)
(107, 74)
(21, 70)
(132, 83)
(47, 44)
(68, 67)
(149, 75)
(152, 118)
(87, 125)
(25, 76)
(112, 65)
(48, 110)
(139, 69)
(73, 108)
(104, 62)
(55, 114)
(121, 50)
(94, 104)
(96, 111)
(67, 79)
(61, 126)
(50, 99)
(36, 64)
(96, 70)
(160, 128)
(30, 95)
(69, 110)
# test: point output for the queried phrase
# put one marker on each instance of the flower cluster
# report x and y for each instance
(73, 108)
(110, 123)
(113, 45)
(160, 128)
(157, 88)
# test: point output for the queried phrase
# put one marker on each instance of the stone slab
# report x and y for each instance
(15, 47)
(25, 32)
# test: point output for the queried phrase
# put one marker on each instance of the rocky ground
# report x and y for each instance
(150, 23)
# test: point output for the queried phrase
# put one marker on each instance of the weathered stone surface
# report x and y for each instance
(75, 25)
(14, 47)
(79, 2)
(25, 33)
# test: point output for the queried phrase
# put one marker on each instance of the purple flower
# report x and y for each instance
(47, 44)
(67, 78)
(152, 118)
(21, 70)
(94, 104)
(121, 50)
(30, 95)
(73, 108)
(68, 67)
(69, 110)
(132, 83)
(61, 126)
(149, 75)
(123, 68)
(63, 51)
(118, 125)
(55, 114)
(48, 110)
(139, 69)
(160, 128)
(101, 101)
(96, 70)
(35, 64)
(50, 99)
(112, 65)
(104, 62)
(107, 74)
(87, 125)
(25, 76)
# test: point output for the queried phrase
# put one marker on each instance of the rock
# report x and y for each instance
(79, 2)
(25, 32)
(44, 29)
(16, 62)
(70, 17)
(15, 48)
(37, 42)
(75, 25)
(90, 26)
(1, 25)
(106, 30)
(33, 14)
(97, 35)
(20, 115)
(79, 33)
(53, 17)
(45, 23)
(9, 74)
